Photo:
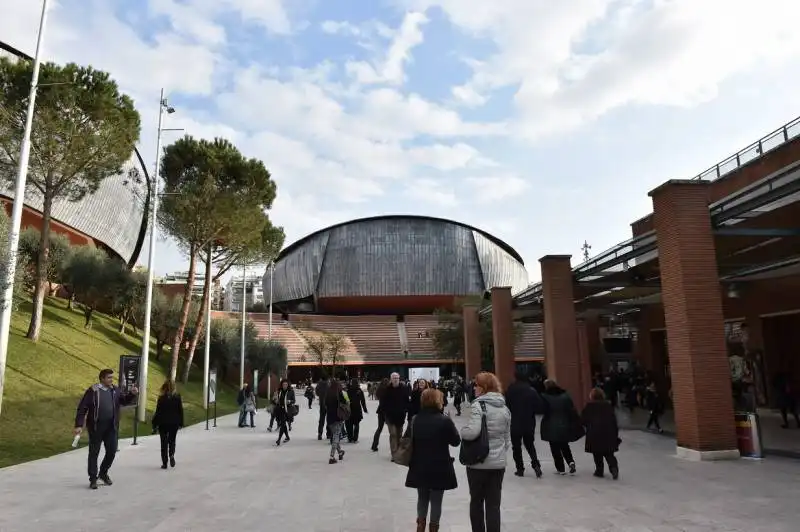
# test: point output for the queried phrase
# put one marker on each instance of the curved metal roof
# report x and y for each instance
(504, 246)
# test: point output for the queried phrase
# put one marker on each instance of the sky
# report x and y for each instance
(544, 123)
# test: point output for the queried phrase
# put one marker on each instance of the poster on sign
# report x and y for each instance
(429, 374)
(212, 386)
(128, 373)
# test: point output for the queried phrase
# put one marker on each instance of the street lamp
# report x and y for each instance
(244, 318)
(144, 361)
(19, 200)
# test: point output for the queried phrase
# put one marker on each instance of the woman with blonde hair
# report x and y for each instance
(167, 420)
(486, 477)
(430, 470)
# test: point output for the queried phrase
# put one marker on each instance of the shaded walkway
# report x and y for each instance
(234, 479)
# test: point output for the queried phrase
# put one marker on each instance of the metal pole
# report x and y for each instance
(269, 331)
(244, 317)
(207, 347)
(6, 304)
(141, 410)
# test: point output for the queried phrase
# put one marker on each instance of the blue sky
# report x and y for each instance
(544, 123)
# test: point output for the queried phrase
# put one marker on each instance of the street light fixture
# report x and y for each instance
(6, 303)
(148, 307)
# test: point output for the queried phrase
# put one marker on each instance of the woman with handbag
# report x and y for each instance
(283, 410)
(337, 410)
(430, 467)
(486, 439)
(561, 425)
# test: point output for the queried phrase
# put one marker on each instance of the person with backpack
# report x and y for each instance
(336, 412)
(485, 476)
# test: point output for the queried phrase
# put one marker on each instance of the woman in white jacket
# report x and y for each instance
(486, 478)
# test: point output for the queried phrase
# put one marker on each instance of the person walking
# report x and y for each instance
(358, 407)
(334, 399)
(560, 425)
(524, 403)
(486, 478)
(98, 411)
(655, 404)
(430, 470)
(283, 410)
(602, 433)
(167, 420)
(246, 401)
(415, 402)
(379, 390)
(394, 404)
(310, 396)
(322, 392)
(458, 395)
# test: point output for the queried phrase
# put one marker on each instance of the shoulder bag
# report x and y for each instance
(475, 451)
(405, 447)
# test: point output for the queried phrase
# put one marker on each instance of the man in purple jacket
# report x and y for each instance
(99, 412)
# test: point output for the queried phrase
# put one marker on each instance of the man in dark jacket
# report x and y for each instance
(394, 406)
(321, 391)
(99, 412)
(524, 403)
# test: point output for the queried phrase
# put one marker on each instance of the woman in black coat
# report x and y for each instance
(283, 408)
(602, 433)
(358, 407)
(167, 419)
(431, 469)
(561, 425)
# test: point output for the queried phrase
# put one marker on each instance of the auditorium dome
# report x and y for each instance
(392, 264)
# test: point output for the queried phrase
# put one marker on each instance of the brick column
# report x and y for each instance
(701, 383)
(472, 341)
(503, 335)
(584, 364)
(597, 353)
(560, 331)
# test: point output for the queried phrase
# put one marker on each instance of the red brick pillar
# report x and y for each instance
(560, 331)
(472, 341)
(503, 335)
(701, 383)
(584, 364)
(597, 353)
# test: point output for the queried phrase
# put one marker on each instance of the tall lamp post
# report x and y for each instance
(19, 200)
(207, 347)
(141, 408)
(269, 330)
(244, 319)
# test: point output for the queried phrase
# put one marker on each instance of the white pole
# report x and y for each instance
(244, 317)
(207, 347)
(19, 200)
(269, 331)
(141, 410)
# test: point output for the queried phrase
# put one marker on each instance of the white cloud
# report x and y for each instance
(389, 68)
(432, 192)
(187, 19)
(496, 188)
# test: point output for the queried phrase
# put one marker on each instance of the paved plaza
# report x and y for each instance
(235, 479)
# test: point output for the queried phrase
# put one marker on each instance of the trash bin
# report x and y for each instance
(748, 435)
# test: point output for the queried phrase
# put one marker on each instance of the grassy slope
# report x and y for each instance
(45, 380)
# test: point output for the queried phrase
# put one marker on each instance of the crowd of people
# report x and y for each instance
(497, 423)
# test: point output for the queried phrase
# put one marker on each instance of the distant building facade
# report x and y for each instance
(233, 292)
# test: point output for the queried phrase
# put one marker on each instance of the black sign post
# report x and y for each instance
(211, 395)
(128, 378)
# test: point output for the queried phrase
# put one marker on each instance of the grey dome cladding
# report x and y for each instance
(395, 256)
(113, 215)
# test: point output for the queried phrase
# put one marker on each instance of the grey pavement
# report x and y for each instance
(235, 479)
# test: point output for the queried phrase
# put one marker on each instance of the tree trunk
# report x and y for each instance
(200, 321)
(35, 326)
(159, 348)
(123, 321)
(187, 302)
(87, 313)
(70, 300)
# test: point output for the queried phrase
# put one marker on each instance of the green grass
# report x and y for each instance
(45, 381)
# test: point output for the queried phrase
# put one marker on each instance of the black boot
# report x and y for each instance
(537, 468)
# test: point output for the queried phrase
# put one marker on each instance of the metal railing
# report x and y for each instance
(759, 148)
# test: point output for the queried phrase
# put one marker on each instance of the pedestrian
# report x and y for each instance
(379, 390)
(431, 470)
(247, 405)
(486, 478)
(167, 420)
(309, 395)
(358, 407)
(458, 395)
(98, 410)
(602, 433)
(524, 403)
(394, 404)
(414, 403)
(652, 399)
(335, 407)
(322, 392)
(560, 425)
(283, 410)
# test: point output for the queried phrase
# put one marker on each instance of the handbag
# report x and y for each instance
(294, 410)
(405, 447)
(576, 426)
(343, 412)
(475, 451)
